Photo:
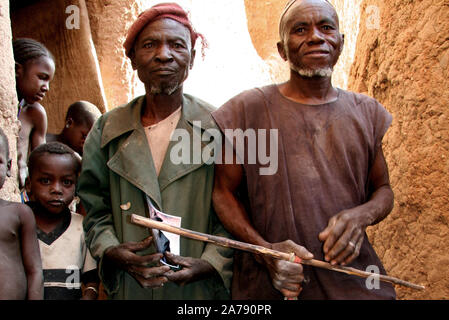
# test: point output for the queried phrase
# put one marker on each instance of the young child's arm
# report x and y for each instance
(22, 149)
(90, 277)
(90, 291)
(30, 254)
(38, 134)
(91, 283)
(33, 128)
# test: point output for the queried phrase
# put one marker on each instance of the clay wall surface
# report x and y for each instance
(349, 14)
(8, 100)
(109, 23)
(263, 26)
(77, 75)
(405, 65)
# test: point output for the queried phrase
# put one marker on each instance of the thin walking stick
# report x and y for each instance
(224, 242)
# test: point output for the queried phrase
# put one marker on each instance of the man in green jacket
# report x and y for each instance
(127, 168)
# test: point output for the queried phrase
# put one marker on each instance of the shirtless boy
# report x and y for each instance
(20, 263)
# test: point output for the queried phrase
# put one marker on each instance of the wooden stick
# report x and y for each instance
(224, 242)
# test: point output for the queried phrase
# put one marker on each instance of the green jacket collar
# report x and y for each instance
(127, 117)
(133, 160)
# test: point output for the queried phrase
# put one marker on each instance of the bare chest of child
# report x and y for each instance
(13, 281)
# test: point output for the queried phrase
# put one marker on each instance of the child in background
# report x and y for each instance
(35, 68)
(53, 171)
(20, 265)
(79, 119)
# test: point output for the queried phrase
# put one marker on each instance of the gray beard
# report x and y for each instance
(167, 89)
(310, 73)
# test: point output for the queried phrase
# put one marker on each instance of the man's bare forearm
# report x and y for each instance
(235, 219)
(378, 207)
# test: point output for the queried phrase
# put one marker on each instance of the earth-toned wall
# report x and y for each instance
(109, 22)
(8, 100)
(405, 65)
(77, 75)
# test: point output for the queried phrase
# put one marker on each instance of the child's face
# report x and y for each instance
(52, 182)
(5, 164)
(76, 135)
(33, 78)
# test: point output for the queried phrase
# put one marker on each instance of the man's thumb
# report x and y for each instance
(141, 245)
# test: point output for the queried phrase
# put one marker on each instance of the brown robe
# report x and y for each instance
(325, 153)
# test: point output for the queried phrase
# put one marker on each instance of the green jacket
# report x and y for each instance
(116, 174)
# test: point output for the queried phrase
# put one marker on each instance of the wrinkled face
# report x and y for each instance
(76, 134)
(52, 182)
(163, 56)
(33, 78)
(5, 163)
(311, 40)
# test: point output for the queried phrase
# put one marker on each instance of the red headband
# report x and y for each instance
(160, 11)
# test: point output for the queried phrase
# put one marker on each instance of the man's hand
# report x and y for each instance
(343, 237)
(123, 256)
(192, 269)
(286, 276)
(344, 234)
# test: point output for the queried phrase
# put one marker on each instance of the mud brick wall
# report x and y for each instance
(405, 65)
(8, 100)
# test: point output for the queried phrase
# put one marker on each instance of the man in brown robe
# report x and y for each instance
(331, 181)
